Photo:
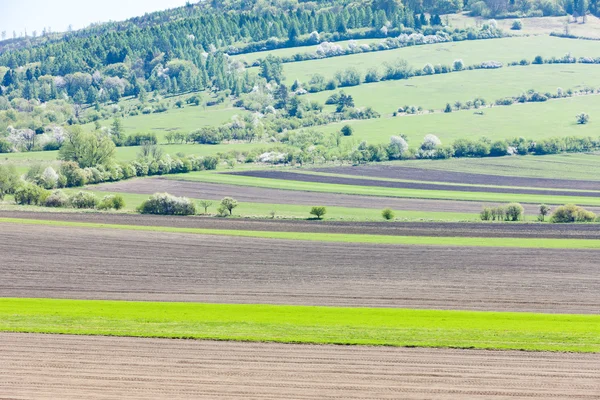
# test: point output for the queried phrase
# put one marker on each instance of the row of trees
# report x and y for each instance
(568, 213)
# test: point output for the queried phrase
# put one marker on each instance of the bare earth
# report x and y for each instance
(61, 262)
(423, 174)
(76, 367)
(201, 190)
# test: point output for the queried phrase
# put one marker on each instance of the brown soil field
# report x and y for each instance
(77, 367)
(422, 174)
(214, 191)
(294, 176)
(458, 229)
(64, 262)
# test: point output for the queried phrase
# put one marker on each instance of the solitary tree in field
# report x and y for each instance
(347, 130)
(387, 214)
(582, 118)
(205, 204)
(544, 210)
(229, 203)
(318, 211)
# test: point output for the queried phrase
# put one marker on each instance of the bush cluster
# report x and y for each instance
(510, 212)
(166, 204)
(572, 213)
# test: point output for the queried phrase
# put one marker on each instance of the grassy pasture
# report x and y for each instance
(530, 120)
(302, 324)
(384, 191)
(471, 52)
(533, 243)
(249, 58)
(534, 26)
(183, 120)
(435, 91)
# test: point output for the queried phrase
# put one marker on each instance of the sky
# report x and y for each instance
(18, 15)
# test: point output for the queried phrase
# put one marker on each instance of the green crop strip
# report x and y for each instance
(305, 324)
(540, 243)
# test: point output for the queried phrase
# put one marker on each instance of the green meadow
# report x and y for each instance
(302, 324)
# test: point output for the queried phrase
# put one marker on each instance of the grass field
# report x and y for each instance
(534, 26)
(249, 58)
(182, 120)
(471, 52)
(435, 91)
(386, 192)
(531, 120)
(301, 324)
(533, 243)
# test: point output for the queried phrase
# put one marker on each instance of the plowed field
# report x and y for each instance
(71, 367)
(62, 262)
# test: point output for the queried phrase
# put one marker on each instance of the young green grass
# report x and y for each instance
(435, 91)
(471, 52)
(302, 324)
(553, 118)
(538, 243)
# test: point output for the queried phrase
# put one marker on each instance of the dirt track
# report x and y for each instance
(292, 176)
(72, 367)
(473, 229)
(41, 261)
(200, 190)
(421, 174)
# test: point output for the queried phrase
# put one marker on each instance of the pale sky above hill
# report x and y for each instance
(18, 15)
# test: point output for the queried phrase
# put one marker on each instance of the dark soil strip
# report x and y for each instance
(421, 174)
(292, 176)
(65, 262)
(558, 231)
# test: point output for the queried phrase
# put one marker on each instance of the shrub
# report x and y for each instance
(499, 148)
(517, 25)
(83, 199)
(112, 202)
(166, 204)
(74, 175)
(387, 214)
(486, 214)
(318, 211)
(514, 212)
(9, 180)
(57, 199)
(5, 146)
(30, 194)
(582, 118)
(228, 204)
(347, 130)
(571, 213)
(458, 65)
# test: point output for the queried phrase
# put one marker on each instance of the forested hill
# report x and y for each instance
(184, 49)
